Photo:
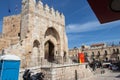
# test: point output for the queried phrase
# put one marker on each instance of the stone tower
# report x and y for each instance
(42, 35)
(27, 18)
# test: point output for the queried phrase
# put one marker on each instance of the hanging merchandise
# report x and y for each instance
(81, 57)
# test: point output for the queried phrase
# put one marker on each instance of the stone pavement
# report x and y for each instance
(108, 75)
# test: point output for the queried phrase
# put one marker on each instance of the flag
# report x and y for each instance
(16, 8)
(9, 10)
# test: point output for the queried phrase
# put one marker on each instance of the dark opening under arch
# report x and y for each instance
(49, 51)
(36, 43)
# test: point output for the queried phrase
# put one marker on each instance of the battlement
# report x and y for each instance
(50, 13)
(42, 10)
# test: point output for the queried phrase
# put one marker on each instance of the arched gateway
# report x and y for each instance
(42, 35)
(52, 44)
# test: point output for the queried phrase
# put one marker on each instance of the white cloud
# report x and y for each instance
(89, 26)
(73, 37)
(82, 8)
(104, 41)
(61, 4)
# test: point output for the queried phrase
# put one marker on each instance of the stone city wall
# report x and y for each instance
(63, 71)
(11, 26)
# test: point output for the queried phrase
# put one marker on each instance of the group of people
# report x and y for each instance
(95, 64)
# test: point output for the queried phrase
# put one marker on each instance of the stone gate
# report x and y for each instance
(36, 35)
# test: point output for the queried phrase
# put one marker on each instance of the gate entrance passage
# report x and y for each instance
(49, 51)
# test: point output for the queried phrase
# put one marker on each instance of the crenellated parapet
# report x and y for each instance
(39, 9)
(49, 13)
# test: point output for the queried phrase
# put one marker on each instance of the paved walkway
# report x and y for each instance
(108, 75)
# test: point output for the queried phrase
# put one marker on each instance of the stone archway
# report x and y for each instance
(36, 43)
(52, 47)
(49, 51)
(65, 56)
(35, 59)
(53, 32)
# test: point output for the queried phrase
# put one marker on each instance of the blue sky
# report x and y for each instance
(82, 26)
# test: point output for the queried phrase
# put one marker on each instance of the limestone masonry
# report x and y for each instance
(38, 37)
(37, 34)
